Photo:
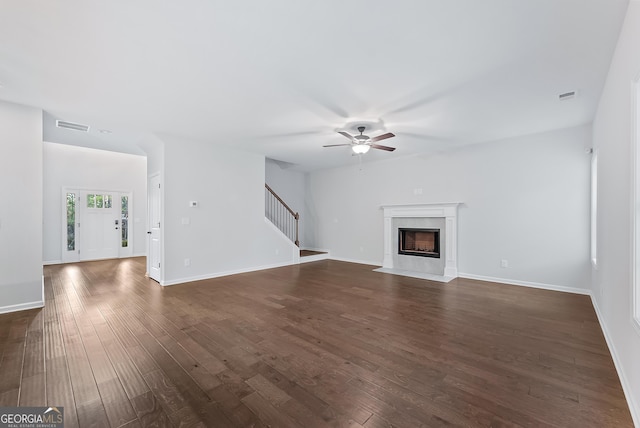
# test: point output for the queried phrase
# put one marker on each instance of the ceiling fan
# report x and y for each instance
(362, 143)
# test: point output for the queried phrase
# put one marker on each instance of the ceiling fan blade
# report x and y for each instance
(387, 148)
(336, 145)
(349, 136)
(382, 137)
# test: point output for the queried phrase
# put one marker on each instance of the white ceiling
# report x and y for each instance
(279, 77)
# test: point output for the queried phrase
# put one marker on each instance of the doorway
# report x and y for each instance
(154, 206)
(96, 225)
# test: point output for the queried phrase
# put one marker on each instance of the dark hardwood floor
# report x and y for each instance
(320, 344)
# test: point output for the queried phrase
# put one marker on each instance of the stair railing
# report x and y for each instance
(279, 213)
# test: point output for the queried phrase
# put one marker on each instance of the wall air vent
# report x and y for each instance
(567, 95)
(71, 125)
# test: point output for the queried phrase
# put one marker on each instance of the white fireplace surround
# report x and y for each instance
(447, 211)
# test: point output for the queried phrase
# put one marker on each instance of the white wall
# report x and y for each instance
(84, 168)
(21, 207)
(291, 186)
(612, 138)
(227, 232)
(525, 200)
(153, 146)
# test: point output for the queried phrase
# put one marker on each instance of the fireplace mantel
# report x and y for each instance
(448, 211)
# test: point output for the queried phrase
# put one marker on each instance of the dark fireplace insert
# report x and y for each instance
(419, 242)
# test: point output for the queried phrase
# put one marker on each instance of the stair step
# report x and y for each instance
(307, 253)
(312, 256)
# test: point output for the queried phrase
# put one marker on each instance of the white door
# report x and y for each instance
(99, 225)
(92, 220)
(154, 252)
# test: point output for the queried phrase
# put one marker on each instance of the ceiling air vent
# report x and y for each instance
(71, 125)
(567, 95)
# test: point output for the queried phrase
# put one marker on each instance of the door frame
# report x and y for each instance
(150, 177)
(74, 256)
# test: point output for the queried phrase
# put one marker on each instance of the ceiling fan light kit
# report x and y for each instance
(360, 149)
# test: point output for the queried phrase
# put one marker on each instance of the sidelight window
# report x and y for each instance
(124, 223)
(71, 221)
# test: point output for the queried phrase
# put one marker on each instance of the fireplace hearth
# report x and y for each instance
(419, 242)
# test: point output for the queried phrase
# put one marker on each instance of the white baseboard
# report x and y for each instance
(59, 262)
(226, 273)
(626, 388)
(543, 286)
(21, 307)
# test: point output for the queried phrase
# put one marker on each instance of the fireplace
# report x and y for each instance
(423, 217)
(419, 242)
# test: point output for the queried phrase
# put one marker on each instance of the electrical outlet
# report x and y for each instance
(504, 263)
(187, 262)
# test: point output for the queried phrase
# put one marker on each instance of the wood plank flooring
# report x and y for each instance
(323, 344)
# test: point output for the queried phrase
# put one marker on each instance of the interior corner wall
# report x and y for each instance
(21, 209)
(227, 232)
(90, 169)
(154, 149)
(524, 200)
(291, 186)
(613, 141)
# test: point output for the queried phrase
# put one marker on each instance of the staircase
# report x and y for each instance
(285, 219)
(279, 213)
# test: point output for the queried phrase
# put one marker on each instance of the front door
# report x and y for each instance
(100, 225)
(95, 224)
